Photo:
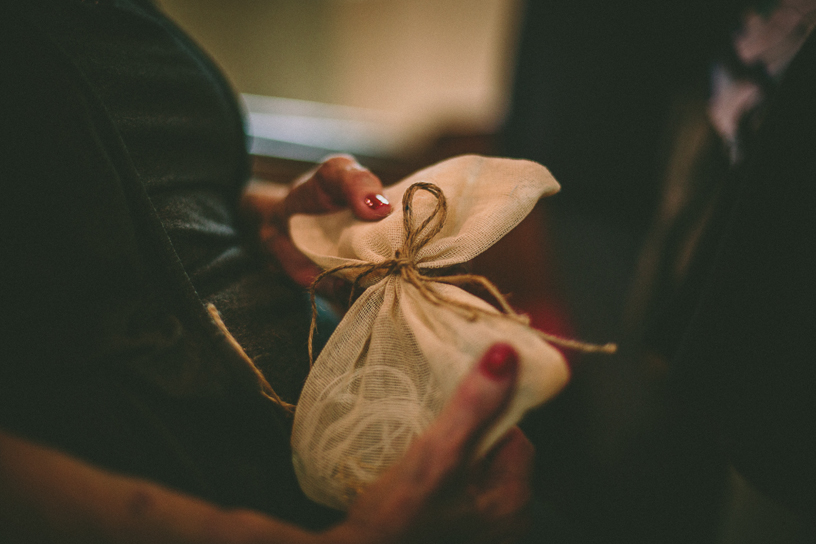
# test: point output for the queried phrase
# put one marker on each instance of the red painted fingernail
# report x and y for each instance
(376, 201)
(500, 361)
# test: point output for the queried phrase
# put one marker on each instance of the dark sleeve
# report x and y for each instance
(107, 353)
(748, 361)
(68, 239)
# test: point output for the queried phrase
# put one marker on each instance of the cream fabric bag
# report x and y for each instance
(398, 355)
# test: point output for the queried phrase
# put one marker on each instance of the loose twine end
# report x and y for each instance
(405, 264)
(266, 388)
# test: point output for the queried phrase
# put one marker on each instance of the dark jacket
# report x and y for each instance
(108, 352)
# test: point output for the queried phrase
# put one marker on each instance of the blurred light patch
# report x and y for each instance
(409, 70)
(308, 131)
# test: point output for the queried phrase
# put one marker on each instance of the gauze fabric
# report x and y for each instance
(396, 358)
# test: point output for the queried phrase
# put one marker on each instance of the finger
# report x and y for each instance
(262, 201)
(447, 446)
(337, 291)
(338, 182)
(505, 489)
(501, 494)
(444, 450)
(511, 458)
(296, 265)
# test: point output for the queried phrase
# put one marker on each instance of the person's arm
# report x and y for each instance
(47, 496)
(436, 493)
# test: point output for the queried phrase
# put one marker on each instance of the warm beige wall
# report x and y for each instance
(427, 62)
(446, 61)
(271, 47)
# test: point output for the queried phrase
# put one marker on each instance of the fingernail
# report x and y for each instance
(500, 361)
(376, 201)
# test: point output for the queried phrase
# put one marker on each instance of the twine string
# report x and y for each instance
(405, 263)
(265, 388)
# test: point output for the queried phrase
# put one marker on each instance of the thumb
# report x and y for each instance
(338, 182)
(444, 450)
(449, 443)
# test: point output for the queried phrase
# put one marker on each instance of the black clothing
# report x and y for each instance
(641, 447)
(122, 160)
(746, 361)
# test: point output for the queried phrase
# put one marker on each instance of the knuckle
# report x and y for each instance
(337, 164)
(326, 171)
(340, 174)
(359, 178)
(342, 157)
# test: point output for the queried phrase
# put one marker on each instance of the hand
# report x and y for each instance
(437, 493)
(336, 183)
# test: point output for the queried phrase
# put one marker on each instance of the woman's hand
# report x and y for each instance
(337, 183)
(436, 493)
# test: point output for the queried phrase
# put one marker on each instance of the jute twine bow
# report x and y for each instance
(405, 263)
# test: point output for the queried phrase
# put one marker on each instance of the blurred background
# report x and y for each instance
(386, 77)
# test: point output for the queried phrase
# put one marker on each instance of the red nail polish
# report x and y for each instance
(500, 361)
(375, 201)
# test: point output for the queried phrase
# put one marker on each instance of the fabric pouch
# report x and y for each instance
(404, 345)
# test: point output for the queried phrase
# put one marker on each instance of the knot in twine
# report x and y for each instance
(405, 261)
